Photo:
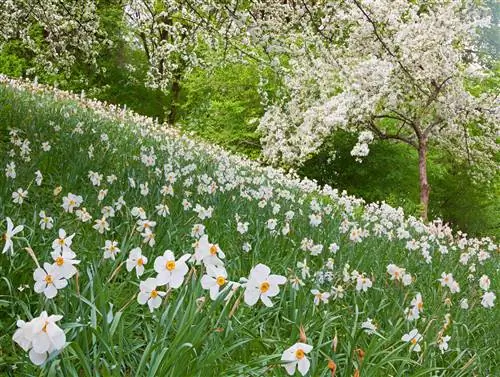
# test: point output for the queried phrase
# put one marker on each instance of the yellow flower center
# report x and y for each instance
(420, 306)
(72, 202)
(221, 281)
(213, 250)
(61, 241)
(140, 262)
(154, 293)
(299, 354)
(413, 341)
(59, 261)
(264, 287)
(44, 328)
(170, 265)
(49, 279)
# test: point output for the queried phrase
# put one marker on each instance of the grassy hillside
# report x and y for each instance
(146, 186)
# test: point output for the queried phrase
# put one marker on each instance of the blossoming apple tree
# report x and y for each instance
(392, 70)
(56, 32)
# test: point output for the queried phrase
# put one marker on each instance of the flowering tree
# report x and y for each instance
(173, 35)
(394, 70)
(56, 32)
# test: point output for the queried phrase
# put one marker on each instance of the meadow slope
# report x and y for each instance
(113, 190)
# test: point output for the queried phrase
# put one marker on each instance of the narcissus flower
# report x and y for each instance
(64, 263)
(214, 280)
(488, 300)
(149, 294)
(369, 326)
(443, 343)
(41, 336)
(110, 249)
(46, 222)
(320, 296)
(136, 260)
(63, 242)
(48, 280)
(208, 253)
(413, 337)
(9, 234)
(71, 202)
(262, 285)
(171, 271)
(295, 358)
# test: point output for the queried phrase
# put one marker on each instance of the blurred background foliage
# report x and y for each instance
(223, 106)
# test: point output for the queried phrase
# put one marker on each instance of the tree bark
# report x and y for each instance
(422, 171)
(176, 89)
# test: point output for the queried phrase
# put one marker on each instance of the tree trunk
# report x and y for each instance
(176, 89)
(422, 171)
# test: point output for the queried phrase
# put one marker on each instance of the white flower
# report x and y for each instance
(198, 230)
(9, 234)
(246, 247)
(261, 284)
(171, 271)
(71, 202)
(110, 249)
(101, 225)
(149, 294)
(144, 188)
(136, 260)
(95, 178)
(464, 304)
(363, 283)
(488, 299)
(484, 282)
(413, 337)
(271, 224)
(443, 343)
(83, 215)
(214, 280)
(242, 228)
(295, 358)
(10, 170)
(418, 303)
(38, 177)
(64, 263)
(407, 279)
(314, 219)
(19, 196)
(62, 243)
(162, 210)
(102, 194)
(46, 222)
(334, 248)
(138, 212)
(320, 296)
(395, 272)
(48, 280)
(148, 237)
(41, 336)
(369, 326)
(338, 292)
(304, 269)
(207, 252)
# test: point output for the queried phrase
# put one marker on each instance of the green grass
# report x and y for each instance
(109, 334)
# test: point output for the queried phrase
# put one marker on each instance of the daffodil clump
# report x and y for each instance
(131, 249)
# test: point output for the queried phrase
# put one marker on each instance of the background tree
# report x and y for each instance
(394, 70)
(53, 33)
